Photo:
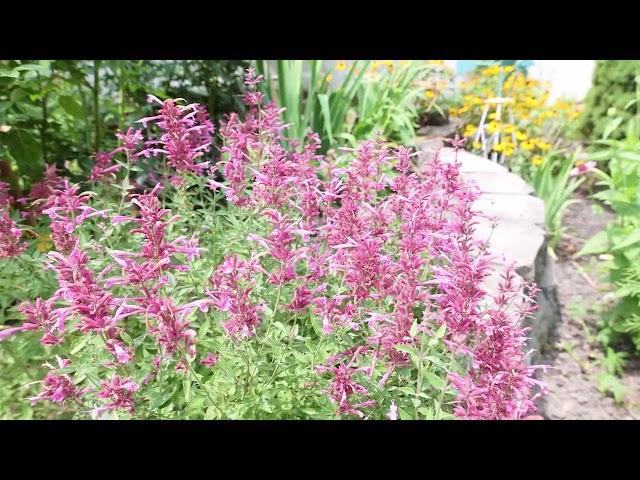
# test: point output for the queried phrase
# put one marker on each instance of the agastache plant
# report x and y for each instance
(352, 287)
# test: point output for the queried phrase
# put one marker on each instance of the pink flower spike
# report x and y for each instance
(210, 360)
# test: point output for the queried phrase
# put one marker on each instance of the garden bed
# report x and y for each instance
(573, 350)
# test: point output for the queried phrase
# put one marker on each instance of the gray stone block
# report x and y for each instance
(518, 237)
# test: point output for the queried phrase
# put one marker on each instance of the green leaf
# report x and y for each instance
(326, 114)
(186, 387)
(84, 340)
(599, 243)
(434, 380)
(9, 73)
(161, 399)
(71, 106)
(632, 156)
(414, 328)
(632, 238)
(26, 150)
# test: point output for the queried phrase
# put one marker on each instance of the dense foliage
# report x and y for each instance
(61, 111)
(613, 88)
(271, 282)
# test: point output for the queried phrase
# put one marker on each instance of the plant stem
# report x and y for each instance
(96, 104)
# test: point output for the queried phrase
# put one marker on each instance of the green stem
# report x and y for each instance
(96, 104)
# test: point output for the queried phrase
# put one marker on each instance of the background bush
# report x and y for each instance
(613, 87)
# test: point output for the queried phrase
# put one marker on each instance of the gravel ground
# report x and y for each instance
(573, 349)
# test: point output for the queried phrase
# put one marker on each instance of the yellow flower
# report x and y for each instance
(521, 136)
(453, 112)
(492, 116)
(375, 65)
(508, 150)
(477, 146)
(436, 62)
(508, 128)
(329, 78)
(493, 127)
(387, 62)
(527, 145)
(341, 66)
(544, 146)
(469, 130)
(508, 69)
(574, 115)
(491, 71)
(537, 160)
(498, 147)
(429, 93)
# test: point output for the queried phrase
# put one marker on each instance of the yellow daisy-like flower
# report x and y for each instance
(544, 146)
(429, 93)
(375, 65)
(470, 130)
(527, 145)
(453, 112)
(387, 62)
(477, 146)
(493, 127)
(537, 160)
(508, 129)
(508, 150)
(508, 69)
(521, 136)
(341, 66)
(498, 147)
(492, 116)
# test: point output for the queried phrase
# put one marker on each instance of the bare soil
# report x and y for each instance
(573, 350)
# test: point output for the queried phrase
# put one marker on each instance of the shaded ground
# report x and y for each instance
(573, 350)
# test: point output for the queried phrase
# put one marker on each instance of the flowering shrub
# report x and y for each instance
(284, 286)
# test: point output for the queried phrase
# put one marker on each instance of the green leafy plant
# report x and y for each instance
(613, 88)
(374, 97)
(621, 239)
(552, 181)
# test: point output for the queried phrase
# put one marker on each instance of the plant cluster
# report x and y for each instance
(611, 96)
(269, 283)
(57, 112)
(621, 239)
(528, 127)
(374, 96)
